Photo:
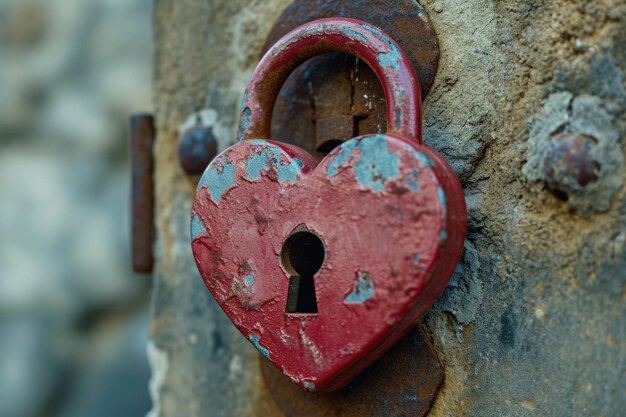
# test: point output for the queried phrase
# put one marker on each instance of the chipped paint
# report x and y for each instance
(374, 167)
(197, 226)
(290, 172)
(412, 181)
(363, 289)
(420, 156)
(218, 178)
(244, 99)
(367, 43)
(348, 191)
(442, 199)
(258, 162)
(377, 164)
(354, 34)
(315, 352)
(267, 159)
(309, 385)
(255, 341)
(389, 59)
(249, 280)
(342, 157)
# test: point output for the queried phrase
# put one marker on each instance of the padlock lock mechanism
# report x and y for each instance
(302, 256)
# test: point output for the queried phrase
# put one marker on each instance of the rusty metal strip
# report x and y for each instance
(142, 133)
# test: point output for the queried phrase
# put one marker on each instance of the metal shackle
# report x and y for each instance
(377, 49)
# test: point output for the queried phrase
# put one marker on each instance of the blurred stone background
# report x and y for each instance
(73, 318)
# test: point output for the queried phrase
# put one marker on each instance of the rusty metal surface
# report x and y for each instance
(568, 163)
(337, 84)
(385, 188)
(197, 146)
(403, 382)
(142, 133)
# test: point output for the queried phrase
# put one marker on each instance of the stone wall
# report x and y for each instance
(532, 322)
(73, 319)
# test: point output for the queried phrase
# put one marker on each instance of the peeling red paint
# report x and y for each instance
(389, 212)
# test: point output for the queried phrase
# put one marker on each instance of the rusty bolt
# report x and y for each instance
(196, 148)
(568, 164)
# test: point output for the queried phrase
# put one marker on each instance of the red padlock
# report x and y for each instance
(325, 266)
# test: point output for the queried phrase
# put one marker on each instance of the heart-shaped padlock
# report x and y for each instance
(324, 266)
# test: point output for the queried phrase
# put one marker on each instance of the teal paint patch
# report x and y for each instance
(219, 177)
(341, 158)
(356, 35)
(377, 164)
(309, 385)
(376, 32)
(387, 59)
(443, 235)
(245, 122)
(420, 156)
(416, 257)
(197, 226)
(314, 30)
(268, 158)
(289, 172)
(412, 181)
(255, 341)
(249, 280)
(363, 289)
(258, 162)
(244, 98)
(442, 200)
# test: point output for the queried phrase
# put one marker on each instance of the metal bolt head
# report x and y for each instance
(568, 164)
(197, 146)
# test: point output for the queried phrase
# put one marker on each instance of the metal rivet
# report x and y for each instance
(196, 148)
(568, 163)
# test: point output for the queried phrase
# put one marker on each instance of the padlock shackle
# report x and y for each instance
(381, 53)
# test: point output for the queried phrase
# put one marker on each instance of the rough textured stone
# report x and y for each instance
(532, 323)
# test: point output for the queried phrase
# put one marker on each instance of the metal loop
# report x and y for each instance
(390, 63)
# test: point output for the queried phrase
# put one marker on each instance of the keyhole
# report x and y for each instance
(302, 255)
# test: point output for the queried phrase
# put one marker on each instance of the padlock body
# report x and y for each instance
(390, 217)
